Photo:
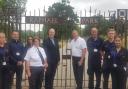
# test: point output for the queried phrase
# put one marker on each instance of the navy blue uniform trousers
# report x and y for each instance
(78, 72)
(4, 77)
(36, 78)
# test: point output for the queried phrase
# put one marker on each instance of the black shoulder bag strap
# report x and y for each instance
(41, 56)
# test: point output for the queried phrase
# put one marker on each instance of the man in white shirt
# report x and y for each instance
(78, 48)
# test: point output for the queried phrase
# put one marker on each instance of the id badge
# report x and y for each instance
(4, 63)
(115, 65)
(17, 53)
(109, 57)
(95, 50)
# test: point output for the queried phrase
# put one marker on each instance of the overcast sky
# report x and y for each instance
(103, 5)
(79, 5)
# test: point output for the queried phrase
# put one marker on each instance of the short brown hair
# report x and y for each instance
(118, 36)
(94, 27)
(36, 38)
(111, 29)
(15, 31)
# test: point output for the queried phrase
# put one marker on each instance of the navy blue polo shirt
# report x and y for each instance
(107, 48)
(94, 47)
(16, 51)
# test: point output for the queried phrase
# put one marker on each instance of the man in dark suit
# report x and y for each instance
(51, 47)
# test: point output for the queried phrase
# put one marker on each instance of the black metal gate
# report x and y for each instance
(28, 25)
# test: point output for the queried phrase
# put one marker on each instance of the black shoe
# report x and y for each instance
(97, 88)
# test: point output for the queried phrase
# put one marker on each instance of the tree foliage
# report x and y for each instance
(65, 13)
(13, 3)
(102, 26)
(10, 14)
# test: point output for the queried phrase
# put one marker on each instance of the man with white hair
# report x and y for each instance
(51, 47)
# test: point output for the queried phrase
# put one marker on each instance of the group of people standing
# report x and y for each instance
(107, 57)
(38, 60)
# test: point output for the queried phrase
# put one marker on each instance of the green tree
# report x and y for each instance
(102, 26)
(65, 13)
(10, 15)
(13, 3)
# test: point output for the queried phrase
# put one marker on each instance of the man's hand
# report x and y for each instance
(45, 66)
(19, 63)
(80, 63)
(28, 73)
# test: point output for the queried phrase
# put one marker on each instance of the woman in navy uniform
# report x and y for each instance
(94, 44)
(4, 67)
(120, 60)
(107, 47)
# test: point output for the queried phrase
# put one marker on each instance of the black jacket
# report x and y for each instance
(52, 51)
(120, 58)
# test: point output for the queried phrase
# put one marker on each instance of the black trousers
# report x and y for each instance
(106, 74)
(119, 78)
(97, 72)
(4, 77)
(36, 78)
(19, 71)
(50, 74)
(78, 72)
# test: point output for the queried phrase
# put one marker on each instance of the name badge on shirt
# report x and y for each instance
(18, 54)
(95, 50)
(115, 65)
(109, 56)
(4, 63)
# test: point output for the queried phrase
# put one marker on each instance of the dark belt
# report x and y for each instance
(36, 67)
(76, 58)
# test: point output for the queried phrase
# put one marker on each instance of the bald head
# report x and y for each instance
(94, 32)
(51, 33)
(75, 34)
